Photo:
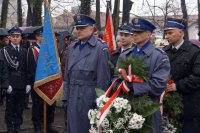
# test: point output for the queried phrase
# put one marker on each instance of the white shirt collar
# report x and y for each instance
(122, 49)
(15, 45)
(179, 45)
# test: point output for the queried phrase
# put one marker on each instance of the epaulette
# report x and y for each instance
(160, 50)
(100, 40)
(195, 45)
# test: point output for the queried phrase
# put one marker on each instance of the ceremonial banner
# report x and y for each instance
(108, 35)
(48, 80)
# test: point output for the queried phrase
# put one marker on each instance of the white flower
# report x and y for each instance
(105, 123)
(118, 109)
(92, 130)
(161, 42)
(93, 115)
(136, 122)
(167, 127)
(129, 107)
(119, 124)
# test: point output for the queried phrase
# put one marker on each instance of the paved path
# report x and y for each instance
(27, 126)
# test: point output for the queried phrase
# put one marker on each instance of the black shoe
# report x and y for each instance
(16, 128)
(50, 129)
(38, 129)
(10, 129)
(27, 107)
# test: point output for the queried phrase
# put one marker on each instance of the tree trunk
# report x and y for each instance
(19, 12)
(29, 13)
(116, 16)
(85, 7)
(198, 2)
(185, 17)
(98, 17)
(127, 5)
(37, 13)
(4, 13)
(108, 7)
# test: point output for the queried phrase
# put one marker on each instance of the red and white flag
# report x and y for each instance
(108, 35)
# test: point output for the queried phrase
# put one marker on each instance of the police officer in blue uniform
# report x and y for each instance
(16, 60)
(86, 68)
(157, 63)
(126, 41)
(185, 71)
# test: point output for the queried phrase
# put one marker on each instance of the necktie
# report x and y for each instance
(17, 50)
(174, 50)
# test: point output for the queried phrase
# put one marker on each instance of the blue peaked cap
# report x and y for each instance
(174, 23)
(140, 24)
(126, 28)
(83, 20)
(15, 30)
(38, 31)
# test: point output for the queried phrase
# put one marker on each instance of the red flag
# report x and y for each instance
(108, 35)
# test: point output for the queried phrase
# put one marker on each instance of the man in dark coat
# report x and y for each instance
(86, 68)
(126, 40)
(185, 71)
(157, 63)
(16, 60)
(3, 77)
(37, 101)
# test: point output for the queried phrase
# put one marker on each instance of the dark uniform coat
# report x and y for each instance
(85, 70)
(158, 69)
(37, 106)
(185, 71)
(17, 77)
(3, 77)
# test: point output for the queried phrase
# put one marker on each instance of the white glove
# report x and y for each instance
(28, 89)
(9, 90)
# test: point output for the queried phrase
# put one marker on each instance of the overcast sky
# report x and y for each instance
(139, 7)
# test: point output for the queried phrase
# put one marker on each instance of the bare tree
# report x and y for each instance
(37, 13)
(85, 7)
(116, 16)
(98, 18)
(127, 5)
(29, 12)
(4, 13)
(19, 12)
(169, 7)
(185, 17)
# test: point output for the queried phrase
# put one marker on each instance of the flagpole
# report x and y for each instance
(45, 117)
(45, 106)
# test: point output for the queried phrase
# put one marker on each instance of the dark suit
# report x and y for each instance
(17, 77)
(3, 77)
(185, 71)
(37, 106)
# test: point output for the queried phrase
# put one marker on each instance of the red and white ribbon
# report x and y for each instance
(122, 86)
(36, 51)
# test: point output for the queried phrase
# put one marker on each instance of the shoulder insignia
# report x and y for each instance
(105, 48)
(160, 50)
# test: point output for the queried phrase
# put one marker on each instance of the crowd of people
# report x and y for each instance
(85, 66)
